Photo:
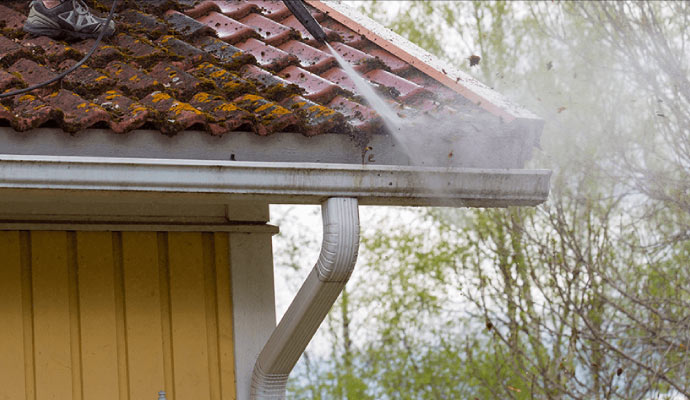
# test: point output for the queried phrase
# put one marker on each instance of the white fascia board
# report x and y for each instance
(306, 183)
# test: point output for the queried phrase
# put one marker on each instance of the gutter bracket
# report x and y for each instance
(315, 298)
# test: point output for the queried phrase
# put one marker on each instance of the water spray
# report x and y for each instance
(388, 115)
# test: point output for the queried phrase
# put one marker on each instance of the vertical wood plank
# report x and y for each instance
(211, 297)
(12, 372)
(52, 336)
(188, 311)
(164, 277)
(97, 315)
(226, 354)
(28, 305)
(120, 327)
(143, 314)
(74, 316)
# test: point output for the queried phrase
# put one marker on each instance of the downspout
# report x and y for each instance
(313, 301)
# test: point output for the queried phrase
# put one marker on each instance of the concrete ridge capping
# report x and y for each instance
(424, 61)
(315, 298)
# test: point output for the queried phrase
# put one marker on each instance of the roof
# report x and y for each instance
(224, 66)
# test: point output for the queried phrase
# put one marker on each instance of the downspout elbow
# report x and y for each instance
(313, 301)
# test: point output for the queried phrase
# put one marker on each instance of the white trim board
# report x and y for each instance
(188, 181)
(117, 227)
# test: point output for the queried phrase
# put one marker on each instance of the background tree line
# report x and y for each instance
(585, 297)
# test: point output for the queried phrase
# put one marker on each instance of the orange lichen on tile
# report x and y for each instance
(27, 97)
(157, 97)
(172, 70)
(178, 108)
(227, 107)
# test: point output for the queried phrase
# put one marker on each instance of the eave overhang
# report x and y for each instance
(128, 179)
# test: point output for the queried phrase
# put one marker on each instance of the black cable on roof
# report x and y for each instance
(71, 69)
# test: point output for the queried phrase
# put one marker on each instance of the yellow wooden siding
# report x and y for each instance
(115, 316)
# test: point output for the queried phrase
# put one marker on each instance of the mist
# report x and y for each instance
(586, 296)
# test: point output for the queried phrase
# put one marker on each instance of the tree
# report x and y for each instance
(586, 297)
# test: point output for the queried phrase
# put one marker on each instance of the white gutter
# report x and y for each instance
(340, 188)
(305, 183)
(313, 301)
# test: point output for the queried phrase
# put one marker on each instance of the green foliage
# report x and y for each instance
(585, 297)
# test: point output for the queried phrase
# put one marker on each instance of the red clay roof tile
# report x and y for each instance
(273, 9)
(425, 104)
(131, 80)
(11, 20)
(138, 47)
(140, 21)
(176, 115)
(77, 112)
(441, 91)
(269, 57)
(126, 114)
(103, 56)
(362, 61)
(350, 37)
(180, 48)
(272, 32)
(316, 118)
(339, 77)
(182, 84)
(5, 114)
(293, 22)
(311, 59)
(396, 65)
(227, 116)
(217, 65)
(270, 116)
(85, 80)
(52, 51)
(229, 83)
(316, 88)
(10, 50)
(31, 112)
(233, 9)
(31, 73)
(226, 53)
(187, 26)
(7, 80)
(272, 86)
(360, 116)
(404, 90)
(227, 28)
